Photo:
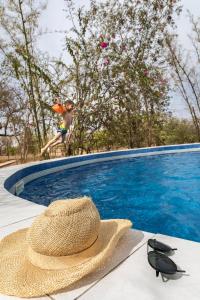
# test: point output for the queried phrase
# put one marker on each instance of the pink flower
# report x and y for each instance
(104, 45)
(123, 47)
(146, 72)
(106, 61)
(163, 81)
(108, 37)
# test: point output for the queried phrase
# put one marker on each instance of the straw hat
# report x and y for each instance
(64, 244)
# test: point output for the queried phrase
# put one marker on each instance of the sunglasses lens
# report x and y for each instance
(158, 246)
(161, 263)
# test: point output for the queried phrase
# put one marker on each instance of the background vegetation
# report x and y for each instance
(121, 88)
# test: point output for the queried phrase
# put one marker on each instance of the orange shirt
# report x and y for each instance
(59, 108)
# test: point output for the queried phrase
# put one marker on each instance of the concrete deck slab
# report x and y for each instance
(132, 241)
(14, 227)
(135, 279)
(15, 210)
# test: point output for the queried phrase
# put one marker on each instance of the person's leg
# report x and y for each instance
(59, 141)
(55, 143)
(52, 141)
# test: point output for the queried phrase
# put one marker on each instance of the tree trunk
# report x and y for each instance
(32, 100)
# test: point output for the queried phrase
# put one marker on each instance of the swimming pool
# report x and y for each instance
(159, 194)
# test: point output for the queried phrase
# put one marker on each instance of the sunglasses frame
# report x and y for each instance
(163, 253)
(169, 249)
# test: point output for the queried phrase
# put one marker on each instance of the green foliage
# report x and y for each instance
(177, 131)
(129, 95)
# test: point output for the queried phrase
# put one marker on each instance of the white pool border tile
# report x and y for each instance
(135, 279)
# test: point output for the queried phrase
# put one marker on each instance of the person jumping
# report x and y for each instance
(64, 131)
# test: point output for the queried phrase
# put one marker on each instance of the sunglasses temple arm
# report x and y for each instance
(174, 249)
(181, 271)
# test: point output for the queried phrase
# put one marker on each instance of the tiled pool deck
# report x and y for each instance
(127, 275)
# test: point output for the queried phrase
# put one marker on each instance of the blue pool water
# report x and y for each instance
(159, 194)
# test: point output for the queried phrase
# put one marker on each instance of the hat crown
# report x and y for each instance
(65, 228)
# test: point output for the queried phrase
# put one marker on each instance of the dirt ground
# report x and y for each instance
(55, 154)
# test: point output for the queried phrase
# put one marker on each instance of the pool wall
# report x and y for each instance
(12, 179)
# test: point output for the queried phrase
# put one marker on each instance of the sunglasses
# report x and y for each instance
(158, 259)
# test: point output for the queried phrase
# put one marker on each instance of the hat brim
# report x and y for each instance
(19, 277)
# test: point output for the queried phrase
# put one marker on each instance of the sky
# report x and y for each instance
(54, 19)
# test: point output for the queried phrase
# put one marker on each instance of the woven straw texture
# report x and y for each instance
(64, 244)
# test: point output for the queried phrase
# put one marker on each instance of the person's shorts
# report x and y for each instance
(63, 132)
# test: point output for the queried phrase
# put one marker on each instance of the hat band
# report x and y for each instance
(62, 262)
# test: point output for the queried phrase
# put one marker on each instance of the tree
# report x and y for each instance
(176, 131)
(117, 74)
(185, 71)
(120, 87)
